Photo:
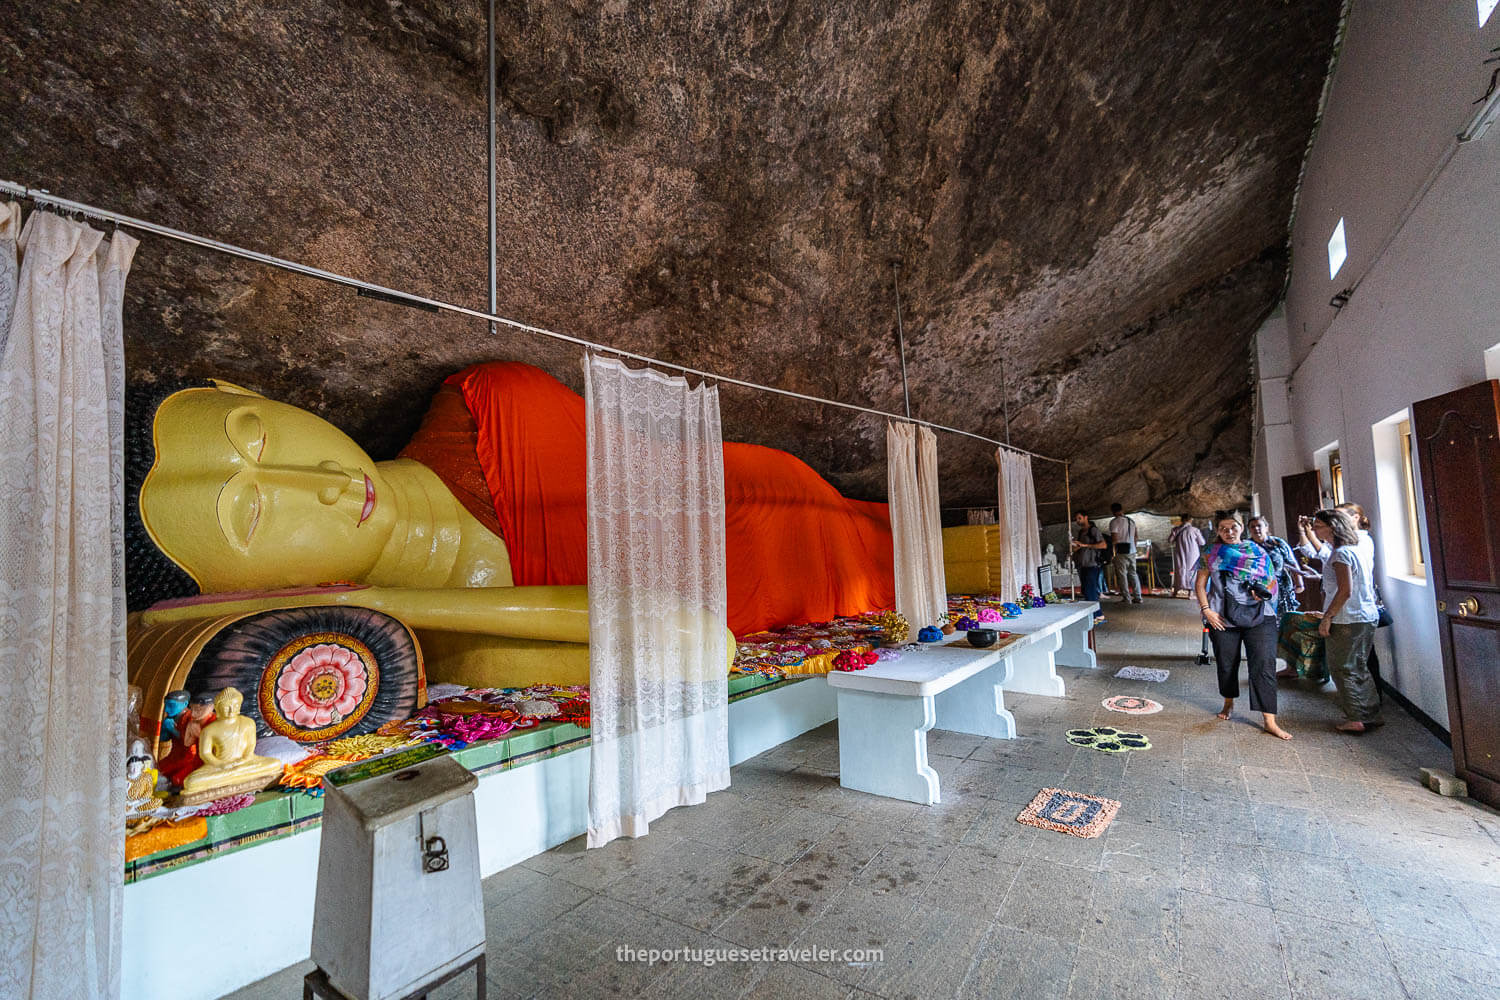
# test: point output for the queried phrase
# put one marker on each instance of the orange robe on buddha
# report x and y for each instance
(508, 439)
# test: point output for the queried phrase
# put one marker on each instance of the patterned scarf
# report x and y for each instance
(1245, 561)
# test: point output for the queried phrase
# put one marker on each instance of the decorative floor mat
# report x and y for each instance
(1072, 813)
(1108, 739)
(1142, 673)
(1131, 705)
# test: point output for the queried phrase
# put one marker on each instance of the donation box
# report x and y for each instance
(399, 899)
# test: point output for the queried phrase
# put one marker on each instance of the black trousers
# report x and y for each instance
(1260, 651)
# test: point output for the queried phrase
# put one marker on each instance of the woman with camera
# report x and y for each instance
(1236, 588)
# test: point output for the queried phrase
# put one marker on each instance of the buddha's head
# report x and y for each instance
(245, 493)
(227, 704)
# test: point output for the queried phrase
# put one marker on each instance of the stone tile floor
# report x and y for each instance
(1239, 866)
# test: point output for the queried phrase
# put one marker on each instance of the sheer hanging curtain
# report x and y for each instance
(658, 644)
(1020, 531)
(932, 524)
(916, 523)
(62, 663)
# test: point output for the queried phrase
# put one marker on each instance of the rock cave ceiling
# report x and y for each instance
(1089, 203)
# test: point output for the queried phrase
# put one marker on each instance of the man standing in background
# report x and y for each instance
(1089, 546)
(1122, 534)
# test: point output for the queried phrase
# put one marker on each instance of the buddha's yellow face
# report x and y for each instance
(250, 494)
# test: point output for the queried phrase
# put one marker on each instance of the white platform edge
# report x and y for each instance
(177, 942)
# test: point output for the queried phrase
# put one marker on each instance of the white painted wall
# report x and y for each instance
(1403, 87)
(1425, 313)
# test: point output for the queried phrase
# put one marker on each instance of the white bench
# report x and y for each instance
(1060, 634)
(886, 710)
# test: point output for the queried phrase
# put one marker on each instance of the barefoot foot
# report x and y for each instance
(1274, 728)
(1228, 709)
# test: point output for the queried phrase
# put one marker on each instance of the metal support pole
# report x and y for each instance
(901, 333)
(1068, 503)
(490, 89)
(1005, 399)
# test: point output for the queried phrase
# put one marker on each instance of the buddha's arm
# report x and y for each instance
(560, 614)
(208, 751)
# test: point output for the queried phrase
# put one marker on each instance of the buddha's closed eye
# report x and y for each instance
(240, 508)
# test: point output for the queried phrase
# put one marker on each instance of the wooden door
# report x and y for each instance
(1302, 495)
(1457, 436)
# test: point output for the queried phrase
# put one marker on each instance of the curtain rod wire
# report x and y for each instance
(42, 197)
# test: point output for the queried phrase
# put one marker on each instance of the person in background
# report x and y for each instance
(1348, 620)
(1314, 548)
(1089, 548)
(1298, 640)
(1122, 534)
(1236, 590)
(1186, 541)
(1288, 574)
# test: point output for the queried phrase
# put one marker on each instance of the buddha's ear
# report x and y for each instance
(236, 390)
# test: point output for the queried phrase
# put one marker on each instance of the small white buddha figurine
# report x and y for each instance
(227, 749)
(1051, 559)
(140, 778)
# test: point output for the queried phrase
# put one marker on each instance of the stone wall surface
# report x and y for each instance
(1089, 204)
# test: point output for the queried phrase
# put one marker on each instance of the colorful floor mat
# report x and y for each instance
(1108, 739)
(1072, 813)
(1142, 674)
(1131, 705)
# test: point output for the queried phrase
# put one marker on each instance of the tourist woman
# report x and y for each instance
(1283, 560)
(1314, 548)
(1349, 616)
(1186, 541)
(1236, 588)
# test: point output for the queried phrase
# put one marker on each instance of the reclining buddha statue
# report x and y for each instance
(326, 580)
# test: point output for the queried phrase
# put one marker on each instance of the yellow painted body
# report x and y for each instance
(248, 494)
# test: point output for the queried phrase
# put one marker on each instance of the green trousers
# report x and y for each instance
(1347, 650)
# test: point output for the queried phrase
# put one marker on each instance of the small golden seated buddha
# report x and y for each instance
(227, 748)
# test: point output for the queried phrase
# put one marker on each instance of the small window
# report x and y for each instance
(1336, 476)
(1409, 479)
(1338, 250)
(1486, 8)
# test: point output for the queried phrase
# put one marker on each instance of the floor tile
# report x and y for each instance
(940, 946)
(1430, 972)
(1231, 944)
(1049, 899)
(1332, 960)
(1013, 964)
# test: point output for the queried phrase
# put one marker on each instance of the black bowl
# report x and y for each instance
(983, 638)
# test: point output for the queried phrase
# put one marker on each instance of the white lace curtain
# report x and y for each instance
(916, 523)
(62, 607)
(658, 606)
(1020, 531)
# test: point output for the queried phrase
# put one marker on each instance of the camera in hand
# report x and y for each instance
(1260, 590)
